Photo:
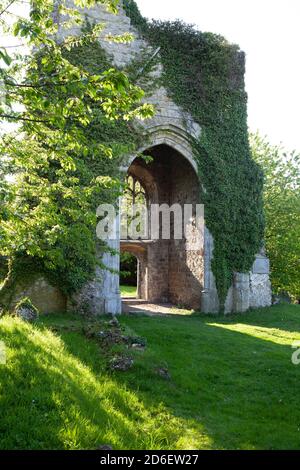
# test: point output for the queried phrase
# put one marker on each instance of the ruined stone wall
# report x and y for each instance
(46, 297)
(173, 127)
(168, 116)
(260, 288)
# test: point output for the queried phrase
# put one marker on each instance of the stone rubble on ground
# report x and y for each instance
(121, 363)
(27, 313)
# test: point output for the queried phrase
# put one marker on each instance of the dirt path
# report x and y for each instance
(135, 306)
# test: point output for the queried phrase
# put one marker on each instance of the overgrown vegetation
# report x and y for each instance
(25, 302)
(201, 383)
(65, 155)
(68, 164)
(128, 269)
(282, 209)
(204, 74)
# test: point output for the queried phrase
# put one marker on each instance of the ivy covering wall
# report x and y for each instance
(204, 75)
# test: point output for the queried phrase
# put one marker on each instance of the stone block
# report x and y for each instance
(261, 265)
(260, 291)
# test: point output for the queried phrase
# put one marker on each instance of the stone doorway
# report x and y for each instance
(169, 272)
(129, 266)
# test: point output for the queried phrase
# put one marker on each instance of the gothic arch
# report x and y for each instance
(171, 135)
(171, 270)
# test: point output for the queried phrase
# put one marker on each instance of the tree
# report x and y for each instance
(61, 172)
(282, 212)
(49, 70)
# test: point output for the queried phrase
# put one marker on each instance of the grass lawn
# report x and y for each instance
(128, 291)
(231, 384)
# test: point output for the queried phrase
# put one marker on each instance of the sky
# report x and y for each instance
(269, 32)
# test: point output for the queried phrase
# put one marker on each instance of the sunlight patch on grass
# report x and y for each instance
(192, 439)
(200, 383)
(50, 399)
(128, 291)
(274, 335)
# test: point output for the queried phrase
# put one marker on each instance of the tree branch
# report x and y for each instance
(20, 118)
(7, 7)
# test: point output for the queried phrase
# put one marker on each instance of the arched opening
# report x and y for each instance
(128, 275)
(133, 261)
(170, 271)
(135, 208)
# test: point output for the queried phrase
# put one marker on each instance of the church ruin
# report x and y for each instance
(168, 270)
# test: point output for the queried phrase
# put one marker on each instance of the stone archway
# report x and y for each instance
(174, 127)
(139, 250)
(172, 273)
(169, 270)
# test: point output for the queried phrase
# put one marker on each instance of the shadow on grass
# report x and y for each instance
(228, 389)
(242, 389)
(233, 389)
(51, 399)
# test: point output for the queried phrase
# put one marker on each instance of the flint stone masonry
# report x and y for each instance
(168, 270)
(27, 313)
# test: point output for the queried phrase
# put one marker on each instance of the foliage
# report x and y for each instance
(203, 74)
(282, 208)
(63, 169)
(52, 75)
(211, 401)
(128, 274)
(3, 268)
